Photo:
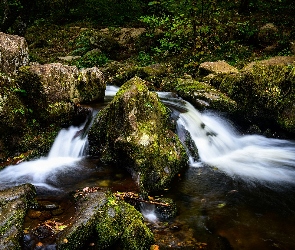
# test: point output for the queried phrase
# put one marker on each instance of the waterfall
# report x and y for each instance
(68, 144)
(63, 159)
(64, 156)
(219, 145)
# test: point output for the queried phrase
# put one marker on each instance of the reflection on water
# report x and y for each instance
(246, 216)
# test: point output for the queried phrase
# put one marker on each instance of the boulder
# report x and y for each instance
(13, 53)
(108, 222)
(118, 73)
(66, 83)
(273, 61)
(204, 96)
(264, 91)
(125, 35)
(134, 131)
(218, 67)
(39, 100)
(14, 203)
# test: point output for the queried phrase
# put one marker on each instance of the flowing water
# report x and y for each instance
(237, 194)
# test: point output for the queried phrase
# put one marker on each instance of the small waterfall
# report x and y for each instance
(219, 145)
(68, 143)
(63, 158)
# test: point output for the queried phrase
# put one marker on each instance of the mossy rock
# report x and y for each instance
(31, 115)
(218, 67)
(108, 221)
(265, 92)
(204, 96)
(134, 131)
(119, 73)
(14, 203)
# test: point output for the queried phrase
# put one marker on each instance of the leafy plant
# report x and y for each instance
(91, 59)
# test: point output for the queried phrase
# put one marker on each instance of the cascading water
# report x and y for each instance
(63, 159)
(252, 156)
(67, 150)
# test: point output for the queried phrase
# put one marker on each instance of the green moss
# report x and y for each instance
(122, 224)
(134, 129)
(108, 220)
(14, 203)
(265, 91)
(203, 95)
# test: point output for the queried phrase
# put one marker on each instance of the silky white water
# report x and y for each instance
(62, 160)
(64, 156)
(253, 157)
(219, 145)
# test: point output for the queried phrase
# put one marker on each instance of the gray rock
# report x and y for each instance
(13, 53)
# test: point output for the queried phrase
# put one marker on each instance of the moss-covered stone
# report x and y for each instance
(91, 85)
(67, 83)
(118, 73)
(264, 92)
(108, 221)
(134, 131)
(202, 95)
(14, 203)
(33, 107)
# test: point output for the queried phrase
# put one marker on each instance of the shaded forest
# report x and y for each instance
(184, 32)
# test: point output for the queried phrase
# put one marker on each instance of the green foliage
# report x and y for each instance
(246, 31)
(144, 59)
(89, 60)
(179, 26)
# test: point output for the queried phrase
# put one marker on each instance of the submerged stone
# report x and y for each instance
(134, 131)
(14, 203)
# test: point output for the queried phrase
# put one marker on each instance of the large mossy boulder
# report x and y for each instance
(108, 222)
(134, 130)
(14, 203)
(13, 53)
(118, 73)
(264, 91)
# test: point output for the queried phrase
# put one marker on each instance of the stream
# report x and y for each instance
(238, 194)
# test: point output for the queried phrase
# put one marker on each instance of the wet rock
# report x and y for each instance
(204, 96)
(111, 222)
(264, 91)
(14, 203)
(134, 131)
(166, 212)
(13, 53)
